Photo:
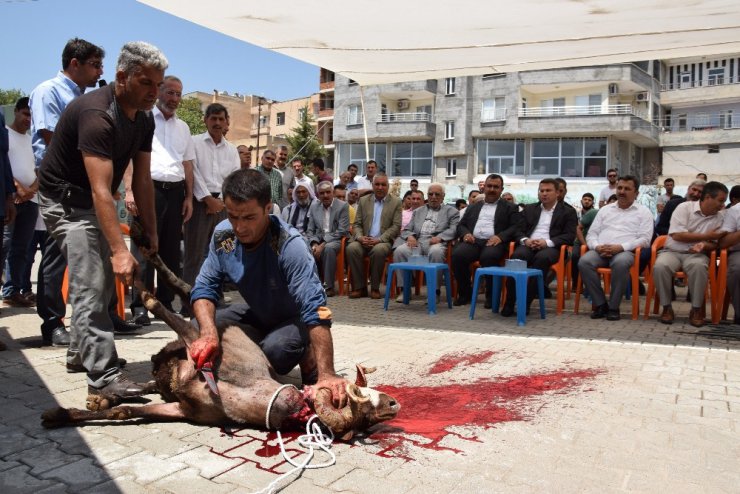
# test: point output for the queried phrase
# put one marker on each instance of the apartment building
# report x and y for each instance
(701, 126)
(650, 118)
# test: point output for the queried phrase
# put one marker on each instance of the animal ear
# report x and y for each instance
(361, 380)
(355, 394)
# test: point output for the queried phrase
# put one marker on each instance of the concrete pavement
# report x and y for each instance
(563, 404)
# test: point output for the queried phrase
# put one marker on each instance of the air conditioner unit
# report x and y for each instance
(403, 104)
(644, 96)
(613, 89)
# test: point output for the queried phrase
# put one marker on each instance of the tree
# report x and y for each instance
(191, 113)
(303, 142)
(10, 96)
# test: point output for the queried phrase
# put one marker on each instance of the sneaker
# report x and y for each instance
(399, 297)
(141, 317)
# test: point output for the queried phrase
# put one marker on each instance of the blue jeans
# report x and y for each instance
(16, 239)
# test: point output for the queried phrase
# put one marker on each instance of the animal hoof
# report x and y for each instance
(96, 403)
(54, 417)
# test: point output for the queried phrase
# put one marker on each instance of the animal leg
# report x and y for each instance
(60, 417)
(183, 328)
(139, 238)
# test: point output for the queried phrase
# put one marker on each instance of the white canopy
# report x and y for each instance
(382, 41)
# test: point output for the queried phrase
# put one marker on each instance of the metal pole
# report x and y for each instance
(259, 121)
(364, 125)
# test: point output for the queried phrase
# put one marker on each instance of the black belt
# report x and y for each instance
(215, 194)
(168, 185)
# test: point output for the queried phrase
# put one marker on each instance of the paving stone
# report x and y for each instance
(145, 467)
(44, 458)
(206, 462)
(16, 440)
(190, 481)
(119, 485)
(78, 475)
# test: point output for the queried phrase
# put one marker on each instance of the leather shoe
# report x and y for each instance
(59, 337)
(507, 311)
(667, 316)
(358, 293)
(120, 386)
(613, 315)
(141, 317)
(488, 304)
(121, 326)
(330, 292)
(600, 311)
(78, 367)
(375, 294)
(696, 317)
(461, 301)
(18, 300)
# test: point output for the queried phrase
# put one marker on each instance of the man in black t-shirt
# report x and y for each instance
(98, 134)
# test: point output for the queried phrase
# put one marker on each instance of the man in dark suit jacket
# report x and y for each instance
(328, 224)
(373, 236)
(484, 233)
(548, 225)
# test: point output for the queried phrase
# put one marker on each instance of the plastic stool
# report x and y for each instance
(521, 276)
(430, 271)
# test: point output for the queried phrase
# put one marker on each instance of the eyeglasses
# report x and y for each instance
(611, 176)
(95, 64)
(267, 158)
(434, 193)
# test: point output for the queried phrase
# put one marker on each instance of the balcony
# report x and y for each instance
(263, 130)
(326, 86)
(567, 111)
(716, 128)
(405, 117)
(325, 114)
(492, 115)
(686, 93)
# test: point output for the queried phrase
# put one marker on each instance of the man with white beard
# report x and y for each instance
(296, 214)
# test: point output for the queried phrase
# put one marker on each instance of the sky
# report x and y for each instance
(33, 34)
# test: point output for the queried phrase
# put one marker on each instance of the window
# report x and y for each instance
(263, 121)
(301, 114)
(451, 167)
(280, 120)
(355, 153)
(450, 86)
(569, 157)
(354, 115)
(425, 109)
(713, 148)
(505, 157)
(716, 76)
(552, 106)
(352, 82)
(449, 130)
(686, 80)
(682, 121)
(725, 119)
(497, 75)
(493, 110)
(588, 104)
(411, 159)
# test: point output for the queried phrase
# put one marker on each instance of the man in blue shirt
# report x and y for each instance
(275, 273)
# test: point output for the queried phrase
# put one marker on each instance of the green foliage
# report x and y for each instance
(302, 141)
(10, 96)
(191, 113)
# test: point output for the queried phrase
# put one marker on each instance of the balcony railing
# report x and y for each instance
(567, 111)
(405, 117)
(716, 81)
(492, 114)
(714, 121)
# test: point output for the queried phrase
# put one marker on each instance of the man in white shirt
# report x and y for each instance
(300, 178)
(610, 189)
(616, 232)
(19, 233)
(731, 242)
(365, 184)
(663, 199)
(172, 175)
(215, 159)
(695, 231)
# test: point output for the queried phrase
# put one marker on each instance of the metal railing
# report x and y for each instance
(567, 111)
(405, 117)
(492, 114)
(691, 123)
(716, 81)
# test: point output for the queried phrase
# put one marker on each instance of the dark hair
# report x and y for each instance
(22, 103)
(612, 170)
(630, 178)
(81, 50)
(407, 193)
(473, 192)
(735, 192)
(216, 108)
(702, 175)
(352, 165)
(460, 202)
(413, 180)
(318, 163)
(668, 180)
(551, 181)
(560, 181)
(246, 184)
(712, 189)
(588, 194)
(371, 161)
(340, 187)
(612, 197)
(495, 176)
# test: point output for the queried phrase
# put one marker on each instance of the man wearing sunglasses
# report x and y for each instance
(610, 189)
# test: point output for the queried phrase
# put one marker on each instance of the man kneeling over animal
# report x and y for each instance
(276, 275)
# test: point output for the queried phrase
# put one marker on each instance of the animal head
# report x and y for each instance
(365, 407)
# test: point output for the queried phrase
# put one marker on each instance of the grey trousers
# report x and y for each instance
(91, 282)
(733, 280)
(435, 252)
(356, 253)
(694, 265)
(620, 266)
(197, 233)
(329, 262)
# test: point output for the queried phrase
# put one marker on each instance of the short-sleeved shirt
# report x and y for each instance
(688, 218)
(731, 224)
(94, 123)
(20, 154)
(586, 221)
(606, 193)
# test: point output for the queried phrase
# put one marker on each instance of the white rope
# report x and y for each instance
(314, 438)
(272, 402)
